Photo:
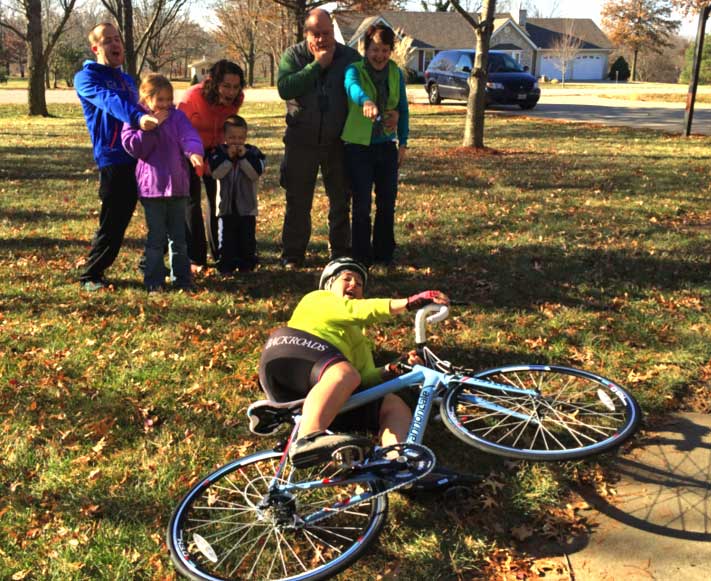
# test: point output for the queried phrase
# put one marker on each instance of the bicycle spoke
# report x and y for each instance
(568, 416)
(234, 528)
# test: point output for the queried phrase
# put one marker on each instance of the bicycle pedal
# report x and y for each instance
(348, 455)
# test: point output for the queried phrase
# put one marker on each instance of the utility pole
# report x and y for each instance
(695, 70)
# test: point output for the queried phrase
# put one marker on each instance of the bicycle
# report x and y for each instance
(259, 517)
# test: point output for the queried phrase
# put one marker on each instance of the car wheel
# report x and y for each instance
(433, 94)
(527, 105)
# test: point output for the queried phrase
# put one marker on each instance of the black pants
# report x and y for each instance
(238, 243)
(299, 170)
(118, 193)
(368, 166)
(195, 235)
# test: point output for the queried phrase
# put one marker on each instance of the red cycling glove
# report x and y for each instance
(421, 299)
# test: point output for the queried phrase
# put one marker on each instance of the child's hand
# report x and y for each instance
(161, 115)
(196, 160)
(148, 122)
(232, 151)
(241, 150)
(370, 110)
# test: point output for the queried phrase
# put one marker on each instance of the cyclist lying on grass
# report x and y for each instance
(324, 356)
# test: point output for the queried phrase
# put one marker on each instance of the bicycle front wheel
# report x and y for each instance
(563, 413)
(230, 526)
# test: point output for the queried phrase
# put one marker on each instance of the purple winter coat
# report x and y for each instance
(162, 169)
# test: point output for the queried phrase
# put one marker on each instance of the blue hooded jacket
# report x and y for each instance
(109, 99)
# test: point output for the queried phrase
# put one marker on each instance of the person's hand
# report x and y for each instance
(148, 122)
(401, 154)
(241, 150)
(161, 115)
(232, 151)
(196, 161)
(370, 110)
(404, 363)
(426, 298)
(390, 121)
(323, 56)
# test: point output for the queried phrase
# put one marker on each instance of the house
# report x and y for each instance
(199, 68)
(531, 41)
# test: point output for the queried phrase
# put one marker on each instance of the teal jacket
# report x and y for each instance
(360, 88)
(340, 321)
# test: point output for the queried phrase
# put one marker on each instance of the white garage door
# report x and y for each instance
(550, 68)
(588, 68)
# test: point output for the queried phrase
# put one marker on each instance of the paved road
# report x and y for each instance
(574, 104)
(667, 117)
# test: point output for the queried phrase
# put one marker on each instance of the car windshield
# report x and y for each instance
(503, 63)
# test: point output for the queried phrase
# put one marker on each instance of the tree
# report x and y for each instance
(192, 42)
(241, 22)
(141, 25)
(39, 50)
(688, 7)
(483, 29)
(297, 9)
(566, 47)
(705, 70)
(665, 66)
(638, 24)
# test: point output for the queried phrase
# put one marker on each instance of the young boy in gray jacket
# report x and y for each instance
(236, 166)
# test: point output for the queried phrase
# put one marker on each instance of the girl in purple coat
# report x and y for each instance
(164, 182)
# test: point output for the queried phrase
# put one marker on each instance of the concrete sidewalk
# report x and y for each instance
(659, 523)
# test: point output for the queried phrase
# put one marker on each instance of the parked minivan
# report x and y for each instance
(509, 83)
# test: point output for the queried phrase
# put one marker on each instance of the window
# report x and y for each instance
(427, 56)
(464, 64)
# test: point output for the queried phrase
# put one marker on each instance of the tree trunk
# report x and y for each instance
(474, 124)
(271, 70)
(634, 64)
(36, 98)
(128, 43)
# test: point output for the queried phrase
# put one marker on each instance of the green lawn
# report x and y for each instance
(575, 244)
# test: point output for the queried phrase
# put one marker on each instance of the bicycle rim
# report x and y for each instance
(573, 413)
(222, 530)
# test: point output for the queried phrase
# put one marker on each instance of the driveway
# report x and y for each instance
(577, 103)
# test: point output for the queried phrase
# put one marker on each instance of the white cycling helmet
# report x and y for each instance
(333, 268)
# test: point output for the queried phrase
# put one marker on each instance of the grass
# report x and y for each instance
(582, 245)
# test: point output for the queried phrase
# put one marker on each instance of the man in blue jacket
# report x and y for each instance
(110, 99)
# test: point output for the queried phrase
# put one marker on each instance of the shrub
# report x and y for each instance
(620, 70)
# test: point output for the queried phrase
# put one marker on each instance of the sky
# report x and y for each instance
(566, 9)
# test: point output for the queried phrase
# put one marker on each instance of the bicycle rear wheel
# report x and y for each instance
(570, 414)
(230, 527)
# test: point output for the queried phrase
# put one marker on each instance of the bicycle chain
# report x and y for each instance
(348, 505)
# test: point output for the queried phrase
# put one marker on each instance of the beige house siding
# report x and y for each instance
(509, 34)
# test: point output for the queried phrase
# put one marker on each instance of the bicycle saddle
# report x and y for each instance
(266, 416)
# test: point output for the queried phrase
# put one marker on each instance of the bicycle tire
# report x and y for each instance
(575, 413)
(242, 541)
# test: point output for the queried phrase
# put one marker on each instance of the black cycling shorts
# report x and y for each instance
(293, 361)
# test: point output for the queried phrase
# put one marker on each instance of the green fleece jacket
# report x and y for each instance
(340, 321)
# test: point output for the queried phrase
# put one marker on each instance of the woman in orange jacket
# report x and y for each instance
(207, 105)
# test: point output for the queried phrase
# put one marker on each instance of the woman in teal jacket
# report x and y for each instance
(378, 115)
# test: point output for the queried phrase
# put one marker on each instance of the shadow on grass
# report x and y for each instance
(43, 163)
